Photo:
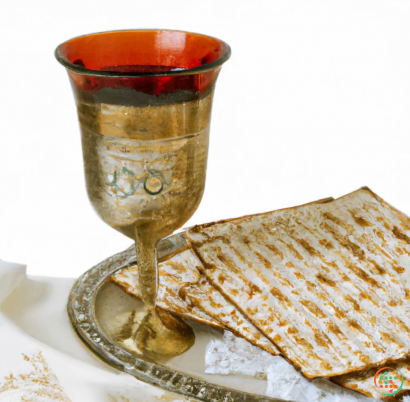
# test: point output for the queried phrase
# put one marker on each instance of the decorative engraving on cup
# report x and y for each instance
(153, 185)
(124, 182)
(130, 181)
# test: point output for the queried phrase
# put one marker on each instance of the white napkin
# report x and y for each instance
(41, 360)
(235, 356)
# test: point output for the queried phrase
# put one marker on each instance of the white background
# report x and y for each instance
(314, 102)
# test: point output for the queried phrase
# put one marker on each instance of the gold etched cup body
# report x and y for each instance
(144, 101)
(145, 164)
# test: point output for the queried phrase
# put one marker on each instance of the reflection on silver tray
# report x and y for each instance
(94, 308)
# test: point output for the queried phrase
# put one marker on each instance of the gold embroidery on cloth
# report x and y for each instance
(118, 399)
(39, 385)
(162, 398)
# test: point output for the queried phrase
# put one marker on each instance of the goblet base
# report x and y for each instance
(98, 310)
(155, 334)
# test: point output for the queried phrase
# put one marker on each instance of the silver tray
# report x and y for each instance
(93, 305)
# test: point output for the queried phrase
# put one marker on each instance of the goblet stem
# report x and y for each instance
(145, 243)
(160, 335)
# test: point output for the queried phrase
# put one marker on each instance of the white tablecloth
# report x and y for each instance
(41, 358)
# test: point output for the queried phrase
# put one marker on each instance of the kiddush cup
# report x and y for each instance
(144, 100)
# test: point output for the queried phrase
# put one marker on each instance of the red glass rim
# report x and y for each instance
(168, 52)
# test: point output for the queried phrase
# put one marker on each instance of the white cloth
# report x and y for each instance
(41, 359)
(235, 356)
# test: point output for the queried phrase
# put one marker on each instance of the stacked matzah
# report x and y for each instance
(326, 285)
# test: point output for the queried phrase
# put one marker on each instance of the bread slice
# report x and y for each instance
(328, 283)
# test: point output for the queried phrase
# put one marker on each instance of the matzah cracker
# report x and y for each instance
(173, 274)
(208, 299)
(327, 283)
(178, 277)
(363, 381)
